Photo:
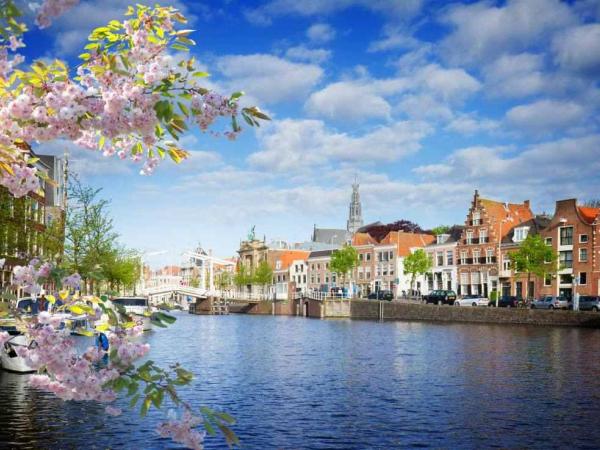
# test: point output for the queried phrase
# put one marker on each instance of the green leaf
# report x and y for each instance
(201, 74)
(181, 47)
(166, 317)
(134, 400)
(146, 405)
(184, 109)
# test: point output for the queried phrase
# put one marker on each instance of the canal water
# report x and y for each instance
(295, 383)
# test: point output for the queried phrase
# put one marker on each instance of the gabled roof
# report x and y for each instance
(536, 225)
(514, 214)
(588, 213)
(363, 239)
(288, 256)
(320, 253)
(405, 241)
(331, 236)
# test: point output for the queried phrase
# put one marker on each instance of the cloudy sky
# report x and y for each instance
(424, 101)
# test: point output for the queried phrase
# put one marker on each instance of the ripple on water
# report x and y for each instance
(294, 383)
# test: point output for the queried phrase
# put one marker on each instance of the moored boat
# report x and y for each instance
(138, 308)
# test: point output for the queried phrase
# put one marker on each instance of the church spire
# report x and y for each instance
(355, 214)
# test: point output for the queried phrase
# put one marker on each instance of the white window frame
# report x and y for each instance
(586, 255)
(476, 219)
(469, 237)
(587, 238)
(548, 241)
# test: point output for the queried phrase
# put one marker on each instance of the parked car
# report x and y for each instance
(471, 300)
(381, 295)
(551, 302)
(506, 301)
(589, 303)
(441, 297)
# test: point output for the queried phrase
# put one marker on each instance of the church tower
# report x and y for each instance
(355, 220)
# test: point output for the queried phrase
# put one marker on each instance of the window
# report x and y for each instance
(440, 259)
(464, 278)
(583, 238)
(360, 256)
(548, 241)
(463, 257)
(368, 257)
(304, 278)
(476, 218)
(449, 258)
(583, 255)
(318, 266)
(360, 275)
(582, 277)
(520, 234)
(489, 256)
(312, 267)
(441, 238)
(548, 280)
(505, 262)
(312, 279)
(469, 236)
(483, 237)
(333, 278)
(278, 265)
(566, 236)
(566, 278)
(566, 260)
(476, 256)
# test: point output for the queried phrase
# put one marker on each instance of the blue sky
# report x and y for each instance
(424, 101)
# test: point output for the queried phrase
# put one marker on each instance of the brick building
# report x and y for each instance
(574, 233)
(320, 278)
(486, 225)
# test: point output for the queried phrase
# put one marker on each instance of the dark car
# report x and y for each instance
(441, 297)
(589, 303)
(506, 301)
(381, 295)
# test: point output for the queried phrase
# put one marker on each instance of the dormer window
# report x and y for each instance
(476, 218)
(278, 265)
(441, 238)
(520, 234)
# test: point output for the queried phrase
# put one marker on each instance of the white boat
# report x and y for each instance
(139, 309)
(8, 355)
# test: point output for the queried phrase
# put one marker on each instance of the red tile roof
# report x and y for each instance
(589, 214)
(405, 241)
(363, 239)
(513, 214)
(288, 256)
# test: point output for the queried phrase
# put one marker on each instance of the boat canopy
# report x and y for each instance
(131, 301)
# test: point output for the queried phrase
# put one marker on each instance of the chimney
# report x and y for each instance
(526, 203)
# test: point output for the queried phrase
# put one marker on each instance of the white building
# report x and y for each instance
(443, 256)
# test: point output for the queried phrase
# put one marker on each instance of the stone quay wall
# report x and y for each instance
(374, 310)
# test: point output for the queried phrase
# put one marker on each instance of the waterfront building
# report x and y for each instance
(381, 263)
(299, 274)
(515, 283)
(487, 223)
(319, 277)
(24, 221)
(574, 233)
(442, 253)
(284, 263)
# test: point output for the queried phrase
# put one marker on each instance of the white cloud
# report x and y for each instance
(469, 124)
(268, 78)
(352, 101)
(449, 84)
(483, 31)
(320, 33)
(546, 116)
(578, 49)
(305, 54)
(424, 106)
(515, 76)
(544, 165)
(295, 145)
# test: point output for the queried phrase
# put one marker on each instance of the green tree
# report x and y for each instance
(440, 229)
(243, 275)
(263, 275)
(224, 280)
(343, 261)
(417, 263)
(534, 257)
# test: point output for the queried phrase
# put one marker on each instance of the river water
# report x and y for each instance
(295, 383)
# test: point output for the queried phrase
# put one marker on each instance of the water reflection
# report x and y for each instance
(298, 383)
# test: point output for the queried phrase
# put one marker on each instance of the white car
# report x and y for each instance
(471, 300)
